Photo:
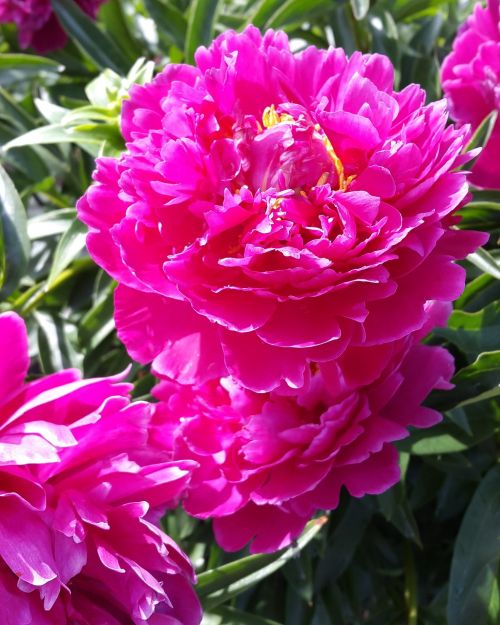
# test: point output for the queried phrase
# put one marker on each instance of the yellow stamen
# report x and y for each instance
(270, 117)
(323, 178)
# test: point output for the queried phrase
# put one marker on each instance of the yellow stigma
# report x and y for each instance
(270, 117)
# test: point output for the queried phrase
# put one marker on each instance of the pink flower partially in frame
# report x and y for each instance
(37, 25)
(470, 76)
(78, 477)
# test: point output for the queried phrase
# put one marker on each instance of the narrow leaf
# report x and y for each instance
(52, 223)
(169, 21)
(70, 245)
(484, 260)
(200, 28)
(96, 44)
(20, 67)
(218, 585)
(15, 242)
(476, 557)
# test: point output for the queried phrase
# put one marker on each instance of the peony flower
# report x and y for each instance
(77, 478)
(268, 461)
(37, 23)
(470, 76)
(276, 205)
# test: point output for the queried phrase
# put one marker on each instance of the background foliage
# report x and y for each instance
(427, 552)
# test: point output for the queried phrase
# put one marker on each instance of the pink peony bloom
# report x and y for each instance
(470, 76)
(37, 23)
(268, 461)
(77, 477)
(277, 205)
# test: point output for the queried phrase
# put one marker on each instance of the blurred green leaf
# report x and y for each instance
(473, 594)
(93, 42)
(360, 8)
(169, 20)
(51, 223)
(15, 244)
(296, 11)
(200, 26)
(20, 67)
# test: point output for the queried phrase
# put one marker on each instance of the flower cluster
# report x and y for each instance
(282, 229)
(471, 82)
(37, 24)
(77, 478)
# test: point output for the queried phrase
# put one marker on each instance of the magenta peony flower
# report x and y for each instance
(77, 477)
(276, 205)
(268, 461)
(37, 23)
(470, 76)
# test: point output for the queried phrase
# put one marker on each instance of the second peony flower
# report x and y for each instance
(272, 209)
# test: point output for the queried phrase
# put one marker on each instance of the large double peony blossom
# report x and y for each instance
(77, 477)
(37, 24)
(274, 209)
(471, 82)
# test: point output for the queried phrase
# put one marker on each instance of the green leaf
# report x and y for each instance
(98, 323)
(93, 42)
(226, 615)
(20, 67)
(296, 11)
(360, 8)
(70, 245)
(475, 332)
(342, 544)
(265, 9)
(52, 223)
(473, 592)
(54, 346)
(200, 27)
(15, 244)
(170, 22)
(90, 137)
(481, 216)
(483, 419)
(414, 9)
(484, 260)
(218, 585)
(111, 15)
(481, 136)
(396, 510)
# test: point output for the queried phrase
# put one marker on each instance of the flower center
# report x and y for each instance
(271, 118)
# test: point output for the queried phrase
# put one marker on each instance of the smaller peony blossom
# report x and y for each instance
(37, 24)
(78, 477)
(470, 76)
(268, 461)
(287, 206)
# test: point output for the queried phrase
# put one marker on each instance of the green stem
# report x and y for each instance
(410, 585)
